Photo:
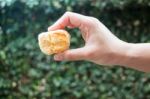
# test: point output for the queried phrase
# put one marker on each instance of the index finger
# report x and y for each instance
(68, 19)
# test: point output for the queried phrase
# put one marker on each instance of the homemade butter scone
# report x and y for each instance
(53, 42)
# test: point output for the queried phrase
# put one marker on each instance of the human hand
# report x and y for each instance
(101, 46)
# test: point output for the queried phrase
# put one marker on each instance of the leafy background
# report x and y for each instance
(26, 73)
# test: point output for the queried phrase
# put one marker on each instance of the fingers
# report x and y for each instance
(68, 19)
(73, 54)
(73, 20)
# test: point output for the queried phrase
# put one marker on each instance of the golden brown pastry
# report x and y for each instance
(54, 41)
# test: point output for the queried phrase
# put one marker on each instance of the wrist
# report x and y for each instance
(123, 53)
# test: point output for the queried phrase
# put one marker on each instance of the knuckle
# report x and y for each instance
(94, 19)
(68, 13)
(69, 56)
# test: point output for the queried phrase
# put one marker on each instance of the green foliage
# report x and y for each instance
(26, 73)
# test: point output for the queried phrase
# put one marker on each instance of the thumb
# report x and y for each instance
(73, 54)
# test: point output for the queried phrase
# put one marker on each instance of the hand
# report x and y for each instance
(101, 46)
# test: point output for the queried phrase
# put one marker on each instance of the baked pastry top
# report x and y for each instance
(53, 42)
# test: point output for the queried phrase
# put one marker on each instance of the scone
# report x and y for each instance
(54, 41)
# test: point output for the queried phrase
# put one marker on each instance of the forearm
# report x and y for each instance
(135, 56)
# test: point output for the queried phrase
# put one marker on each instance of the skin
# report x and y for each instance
(101, 46)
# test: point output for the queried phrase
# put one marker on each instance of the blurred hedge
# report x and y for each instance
(26, 73)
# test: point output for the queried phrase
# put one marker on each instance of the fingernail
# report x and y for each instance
(58, 57)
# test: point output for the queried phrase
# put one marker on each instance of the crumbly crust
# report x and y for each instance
(54, 41)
